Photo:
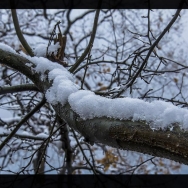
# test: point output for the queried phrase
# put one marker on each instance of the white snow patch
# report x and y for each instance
(159, 114)
(63, 73)
(40, 50)
(43, 64)
(60, 91)
(63, 84)
(7, 48)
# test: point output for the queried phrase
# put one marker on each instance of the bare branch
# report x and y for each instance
(21, 136)
(17, 62)
(37, 107)
(18, 88)
(150, 51)
(19, 33)
(79, 61)
(70, 23)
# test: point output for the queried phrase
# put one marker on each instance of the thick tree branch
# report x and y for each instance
(22, 136)
(130, 135)
(19, 33)
(171, 143)
(18, 63)
(70, 23)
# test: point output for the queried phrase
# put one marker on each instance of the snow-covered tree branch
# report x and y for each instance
(98, 101)
(156, 128)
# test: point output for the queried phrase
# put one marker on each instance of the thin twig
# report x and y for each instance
(91, 166)
(86, 67)
(79, 61)
(41, 153)
(37, 107)
(22, 136)
(19, 33)
(150, 51)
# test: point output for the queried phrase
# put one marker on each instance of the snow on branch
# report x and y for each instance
(157, 128)
(158, 114)
(88, 105)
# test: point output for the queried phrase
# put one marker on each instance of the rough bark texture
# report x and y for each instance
(124, 134)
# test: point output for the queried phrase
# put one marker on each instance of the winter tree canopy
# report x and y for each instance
(89, 89)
